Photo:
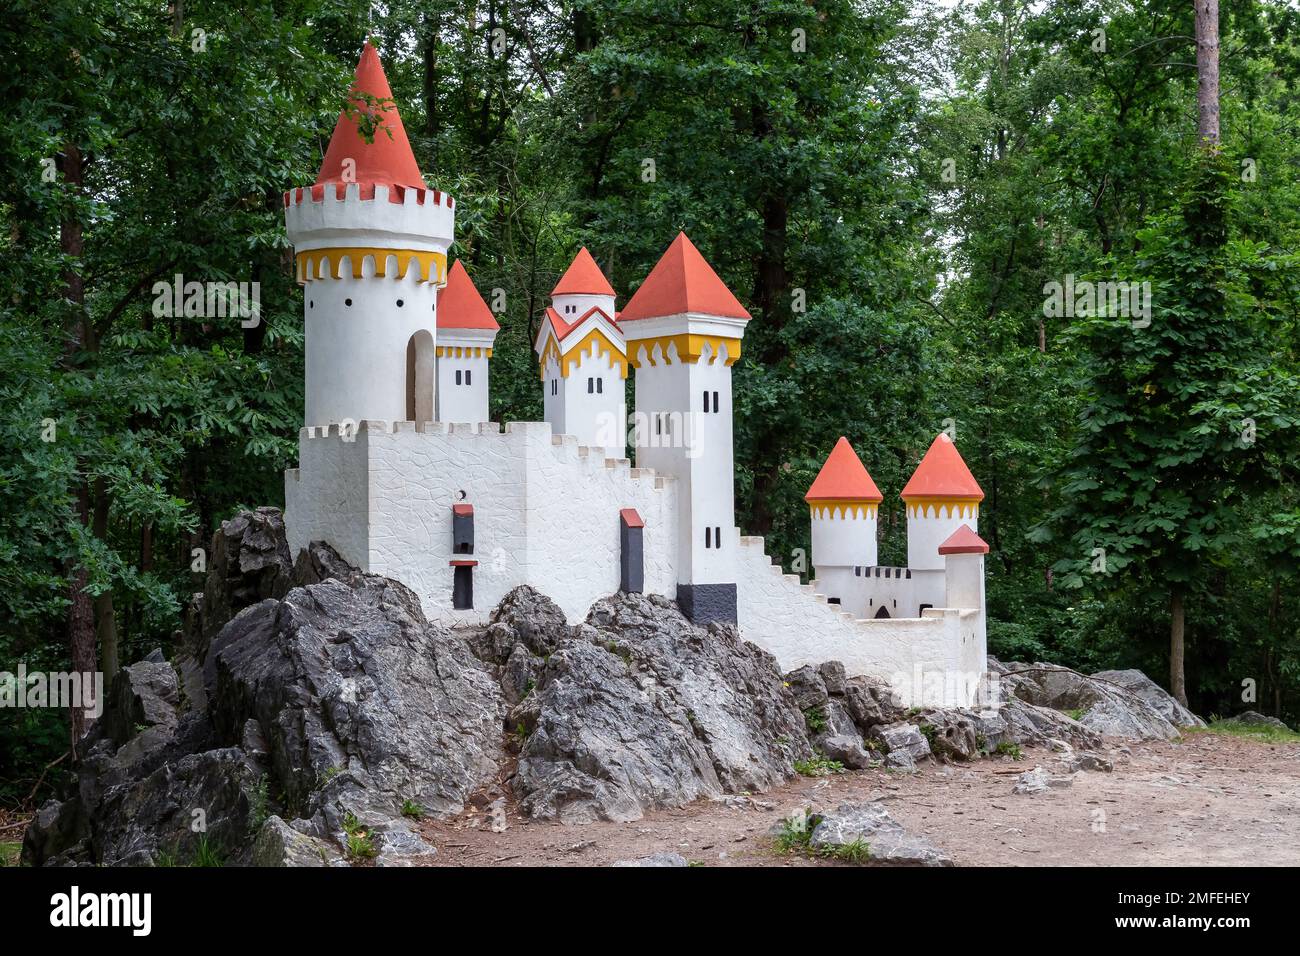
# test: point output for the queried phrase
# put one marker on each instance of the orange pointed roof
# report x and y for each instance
(964, 541)
(583, 277)
(388, 159)
(682, 281)
(942, 474)
(459, 304)
(843, 477)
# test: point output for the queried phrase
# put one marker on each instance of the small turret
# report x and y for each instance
(466, 333)
(941, 496)
(583, 360)
(844, 502)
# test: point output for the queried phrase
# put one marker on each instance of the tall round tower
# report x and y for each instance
(941, 496)
(844, 502)
(371, 245)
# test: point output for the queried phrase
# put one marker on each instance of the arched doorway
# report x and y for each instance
(419, 377)
(883, 612)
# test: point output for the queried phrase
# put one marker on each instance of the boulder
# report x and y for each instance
(144, 694)
(904, 737)
(1039, 780)
(1251, 718)
(638, 708)
(1108, 708)
(278, 844)
(1155, 696)
(886, 840)
(808, 688)
(950, 733)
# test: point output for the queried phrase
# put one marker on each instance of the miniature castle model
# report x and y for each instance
(401, 470)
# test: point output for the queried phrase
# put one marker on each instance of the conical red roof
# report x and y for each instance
(682, 281)
(583, 277)
(942, 474)
(459, 304)
(388, 159)
(964, 541)
(843, 477)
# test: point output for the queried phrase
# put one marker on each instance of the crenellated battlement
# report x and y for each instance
(369, 215)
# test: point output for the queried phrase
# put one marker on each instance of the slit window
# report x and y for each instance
(462, 593)
(708, 537)
(457, 376)
(717, 537)
(467, 376)
(591, 385)
(600, 386)
(715, 403)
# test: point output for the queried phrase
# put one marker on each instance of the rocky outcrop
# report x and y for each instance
(1126, 705)
(638, 708)
(1251, 718)
(869, 827)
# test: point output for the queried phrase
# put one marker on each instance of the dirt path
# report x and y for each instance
(1211, 799)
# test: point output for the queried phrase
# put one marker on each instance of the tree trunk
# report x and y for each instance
(1207, 72)
(1177, 682)
(78, 332)
(431, 40)
(105, 614)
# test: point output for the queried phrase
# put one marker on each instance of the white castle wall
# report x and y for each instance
(937, 659)
(546, 511)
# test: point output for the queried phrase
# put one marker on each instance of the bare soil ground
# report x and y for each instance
(1211, 799)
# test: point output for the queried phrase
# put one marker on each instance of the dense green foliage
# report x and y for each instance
(888, 186)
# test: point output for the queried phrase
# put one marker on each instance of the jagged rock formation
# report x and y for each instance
(313, 705)
(1124, 704)
(636, 708)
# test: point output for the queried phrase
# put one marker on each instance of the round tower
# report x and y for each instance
(844, 502)
(371, 245)
(466, 333)
(941, 496)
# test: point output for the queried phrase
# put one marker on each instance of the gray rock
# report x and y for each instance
(279, 844)
(886, 839)
(862, 705)
(1251, 718)
(1024, 724)
(952, 733)
(1156, 697)
(518, 674)
(903, 737)
(144, 694)
(808, 688)
(833, 678)
(900, 760)
(658, 859)
(352, 677)
(1109, 708)
(638, 708)
(1039, 780)
(847, 750)
(400, 846)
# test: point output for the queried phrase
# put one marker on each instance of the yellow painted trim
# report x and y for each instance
(925, 507)
(433, 265)
(689, 347)
(571, 355)
(843, 507)
(462, 351)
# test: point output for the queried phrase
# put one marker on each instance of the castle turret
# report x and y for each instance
(941, 496)
(583, 360)
(683, 329)
(844, 502)
(466, 332)
(371, 247)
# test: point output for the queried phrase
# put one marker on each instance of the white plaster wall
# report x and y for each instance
(356, 355)
(553, 397)
(596, 419)
(931, 526)
(919, 656)
(327, 497)
(697, 447)
(462, 403)
(544, 513)
(574, 499)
